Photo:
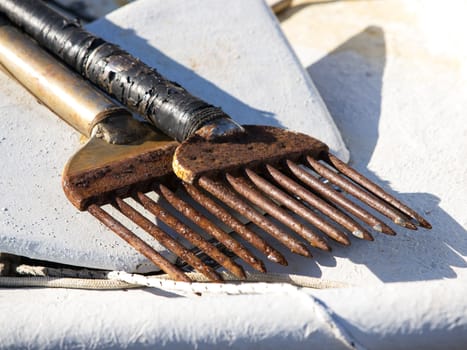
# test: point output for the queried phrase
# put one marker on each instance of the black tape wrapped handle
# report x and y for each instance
(164, 103)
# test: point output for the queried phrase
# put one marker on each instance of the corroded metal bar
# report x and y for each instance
(166, 240)
(367, 198)
(328, 192)
(204, 223)
(235, 224)
(224, 194)
(246, 189)
(137, 243)
(193, 237)
(329, 210)
(374, 188)
(298, 208)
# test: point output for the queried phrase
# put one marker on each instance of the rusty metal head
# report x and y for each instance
(99, 171)
(293, 178)
(258, 145)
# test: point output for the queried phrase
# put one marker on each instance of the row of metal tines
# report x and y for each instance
(307, 203)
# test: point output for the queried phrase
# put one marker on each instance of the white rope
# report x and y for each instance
(60, 282)
(253, 284)
(200, 288)
(296, 280)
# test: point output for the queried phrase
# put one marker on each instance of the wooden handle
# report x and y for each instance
(64, 92)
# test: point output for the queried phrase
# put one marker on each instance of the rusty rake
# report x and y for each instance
(253, 170)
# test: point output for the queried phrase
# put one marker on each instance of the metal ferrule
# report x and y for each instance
(221, 127)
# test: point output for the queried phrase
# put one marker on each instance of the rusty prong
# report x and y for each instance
(374, 188)
(224, 194)
(166, 240)
(367, 198)
(335, 197)
(137, 243)
(193, 237)
(205, 224)
(330, 211)
(235, 224)
(247, 190)
(298, 208)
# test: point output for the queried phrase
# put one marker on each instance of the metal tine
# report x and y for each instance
(374, 188)
(205, 258)
(227, 196)
(193, 237)
(297, 207)
(204, 223)
(395, 215)
(166, 240)
(330, 193)
(137, 243)
(316, 202)
(235, 224)
(247, 190)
